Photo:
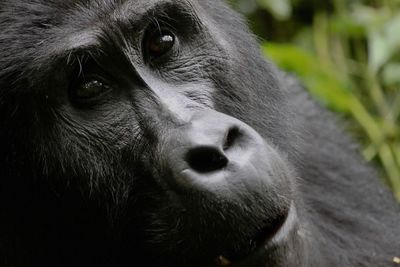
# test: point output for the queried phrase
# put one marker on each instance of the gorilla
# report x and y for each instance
(152, 133)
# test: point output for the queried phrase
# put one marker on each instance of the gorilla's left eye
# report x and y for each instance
(88, 91)
(159, 43)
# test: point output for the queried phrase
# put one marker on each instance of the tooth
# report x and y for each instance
(223, 262)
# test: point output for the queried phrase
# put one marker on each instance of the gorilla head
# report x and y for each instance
(152, 133)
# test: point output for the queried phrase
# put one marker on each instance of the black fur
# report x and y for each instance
(81, 187)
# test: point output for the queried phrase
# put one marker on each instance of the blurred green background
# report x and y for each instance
(347, 53)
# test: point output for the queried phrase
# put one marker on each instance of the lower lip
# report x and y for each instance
(285, 229)
(278, 239)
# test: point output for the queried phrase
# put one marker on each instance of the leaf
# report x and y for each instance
(391, 74)
(281, 9)
(347, 25)
(381, 28)
(378, 50)
(321, 81)
(245, 6)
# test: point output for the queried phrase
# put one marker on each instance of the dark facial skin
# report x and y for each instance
(153, 133)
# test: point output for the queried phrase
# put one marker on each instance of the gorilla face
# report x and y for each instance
(152, 128)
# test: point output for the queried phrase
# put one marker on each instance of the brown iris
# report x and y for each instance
(160, 43)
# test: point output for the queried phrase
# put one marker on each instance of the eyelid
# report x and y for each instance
(89, 102)
(165, 11)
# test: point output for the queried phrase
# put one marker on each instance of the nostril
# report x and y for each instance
(231, 137)
(206, 159)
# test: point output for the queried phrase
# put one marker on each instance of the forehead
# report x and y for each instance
(45, 13)
(94, 16)
(117, 9)
(66, 24)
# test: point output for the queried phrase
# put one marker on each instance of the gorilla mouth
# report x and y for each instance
(265, 239)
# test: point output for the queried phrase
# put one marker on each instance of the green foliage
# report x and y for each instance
(348, 54)
(282, 9)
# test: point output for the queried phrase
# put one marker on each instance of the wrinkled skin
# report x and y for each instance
(115, 154)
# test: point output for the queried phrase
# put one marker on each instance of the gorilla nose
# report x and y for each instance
(212, 150)
(205, 158)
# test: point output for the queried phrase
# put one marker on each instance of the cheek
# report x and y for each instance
(87, 144)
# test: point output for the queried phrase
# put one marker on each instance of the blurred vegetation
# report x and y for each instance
(347, 53)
